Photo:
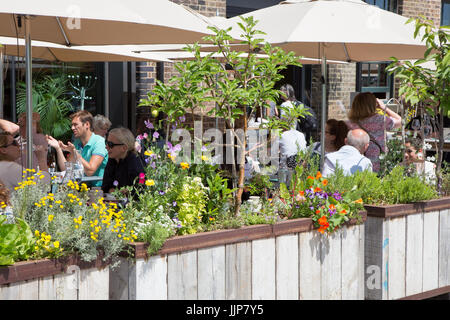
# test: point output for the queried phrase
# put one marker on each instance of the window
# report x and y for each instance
(389, 5)
(445, 13)
(372, 77)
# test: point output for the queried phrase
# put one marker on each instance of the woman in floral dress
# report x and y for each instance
(371, 115)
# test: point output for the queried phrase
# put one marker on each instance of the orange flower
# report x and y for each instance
(317, 211)
(323, 221)
(332, 206)
(309, 177)
(321, 230)
(325, 182)
(302, 193)
(317, 189)
(359, 201)
(344, 211)
(318, 175)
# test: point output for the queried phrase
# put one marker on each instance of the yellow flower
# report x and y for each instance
(50, 218)
(184, 165)
(56, 244)
(148, 153)
(150, 183)
(36, 233)
(205, 158)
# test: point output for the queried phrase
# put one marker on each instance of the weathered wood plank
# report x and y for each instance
(151, 278)
(287, 267)
(414, 253)
(119, 280)
(352, 268)
(396, 260)
(263, 269)
(310, 265)
(182, 276)
(331, 266)
(430, 263)
(444, 248)
(238, 275)
(94, 284)
(373, 258)
(211, 273)
(23, 290)
(58, 287)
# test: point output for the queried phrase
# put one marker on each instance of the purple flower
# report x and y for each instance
(174, 203)
(337, 196)
(115, 183)
(182, 119)
(156, 135)
(153, 165)
(147, 160)
(161, 193)
(204, 149)
(148, 124)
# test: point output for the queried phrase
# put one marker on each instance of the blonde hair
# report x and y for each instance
(364, 105)
(124, 136)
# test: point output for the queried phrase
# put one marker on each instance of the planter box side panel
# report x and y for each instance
(309, 251)
(414, 254)
(263, 269)
(238, 275)
(287, 266)
(23, 290)
(94, 284)
(430, 251)
(352, 250)
(444, 248)
(211, 273)
(182, 276)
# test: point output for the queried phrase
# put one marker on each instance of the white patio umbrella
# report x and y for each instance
(55, 52)
(346, 30)
(96, 22)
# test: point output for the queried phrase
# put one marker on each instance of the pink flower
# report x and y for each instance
(141, 178)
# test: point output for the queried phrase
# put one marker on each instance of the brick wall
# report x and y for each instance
(413, 8)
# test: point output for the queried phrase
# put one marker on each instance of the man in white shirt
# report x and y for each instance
(350, 157)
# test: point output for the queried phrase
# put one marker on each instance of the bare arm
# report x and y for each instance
(60, 159)
(397, 119)
(9, 126)
(91, 166)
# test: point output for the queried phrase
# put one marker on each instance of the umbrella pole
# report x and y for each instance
(323, 113)
(29, 110)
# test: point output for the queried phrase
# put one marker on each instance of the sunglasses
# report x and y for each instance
(111, 145)
(13, 143)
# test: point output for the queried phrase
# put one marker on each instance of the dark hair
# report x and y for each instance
(339, 129)
(85, 116)
(289, 91)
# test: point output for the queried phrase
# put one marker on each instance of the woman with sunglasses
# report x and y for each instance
(10, 171)
(124, 165)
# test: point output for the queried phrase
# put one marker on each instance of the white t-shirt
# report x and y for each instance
(291, 142)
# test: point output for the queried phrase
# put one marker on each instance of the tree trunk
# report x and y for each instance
(241, 177)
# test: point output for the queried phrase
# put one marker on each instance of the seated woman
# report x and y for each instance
(335, 134)
(124, 165)
(10, 171)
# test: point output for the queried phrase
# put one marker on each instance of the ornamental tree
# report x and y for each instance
(238, 83)
(421, 85)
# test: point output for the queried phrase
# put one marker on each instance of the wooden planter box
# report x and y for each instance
(407, 250)
(61, 279)
(288, 260)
